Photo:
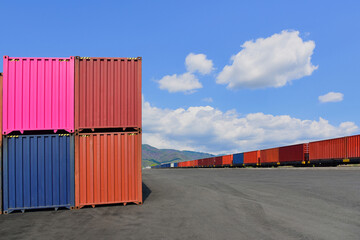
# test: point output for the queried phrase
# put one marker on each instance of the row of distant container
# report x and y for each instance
(70, 170)
(331, 151)
(70, 94)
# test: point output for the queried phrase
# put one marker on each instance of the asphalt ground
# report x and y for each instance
(286, 203)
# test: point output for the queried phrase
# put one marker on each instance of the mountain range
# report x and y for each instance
(152, 156)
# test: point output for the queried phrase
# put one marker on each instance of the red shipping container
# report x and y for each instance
(252, 157)
(107, 168)
(107, 93)
(205, 162)
(201, 162)
(269, 155)
(227, 159)
(294, 153)
(328, 149)
(196, 163)
(218, 161)
(212, 161)
(353, 146)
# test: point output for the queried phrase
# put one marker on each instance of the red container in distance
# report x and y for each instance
(201, 162)
(294, 153)
(252, 158)
(331, 149)
(107, 93)
(269, 155)
(227, 160)
(353, 146)
(218, 161)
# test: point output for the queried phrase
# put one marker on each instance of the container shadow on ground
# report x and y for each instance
(145, 191)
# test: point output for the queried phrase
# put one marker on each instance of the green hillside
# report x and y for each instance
(153, 156)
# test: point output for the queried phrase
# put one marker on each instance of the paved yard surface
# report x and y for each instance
(321, 203)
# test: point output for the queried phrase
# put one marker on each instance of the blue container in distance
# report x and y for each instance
(38, 172)
(176, 164)
(238, 159)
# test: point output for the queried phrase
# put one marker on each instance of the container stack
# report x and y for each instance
(107, 131)
(37, 128)
(71, 132)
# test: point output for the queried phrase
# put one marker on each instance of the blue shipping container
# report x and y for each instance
(38, 172)
(238, 159)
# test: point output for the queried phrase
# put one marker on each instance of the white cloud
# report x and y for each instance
(198, 62)
(269, 62)
(186, 82)
(208, 99)
(331, 97)
(207, 129)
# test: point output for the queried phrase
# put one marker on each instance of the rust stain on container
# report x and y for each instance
(107, 92)
(328, 149)
(108, 168)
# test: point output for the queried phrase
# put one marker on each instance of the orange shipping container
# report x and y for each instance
(269, 155)
(328, 149)
(353, 146)
(107, 168)
(227, 160)
(252, 157)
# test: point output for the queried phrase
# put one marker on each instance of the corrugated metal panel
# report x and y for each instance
(38, 171)
(38, 94)
(107, 93)
(227, 159)
(238, 159)
(294, 153)
(269, 155)
(1, 114)
(218, 161)
(353, 146)
(211, 161)
(252, 157)
(107, 168)
(328, 149)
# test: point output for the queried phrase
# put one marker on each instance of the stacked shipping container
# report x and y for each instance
(75, 125)
(108, 131)
(38, 98)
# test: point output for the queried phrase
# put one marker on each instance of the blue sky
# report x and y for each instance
(164, 33)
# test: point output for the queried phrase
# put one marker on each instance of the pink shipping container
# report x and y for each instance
(38, 94)
(328, 149)
(353, 146)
